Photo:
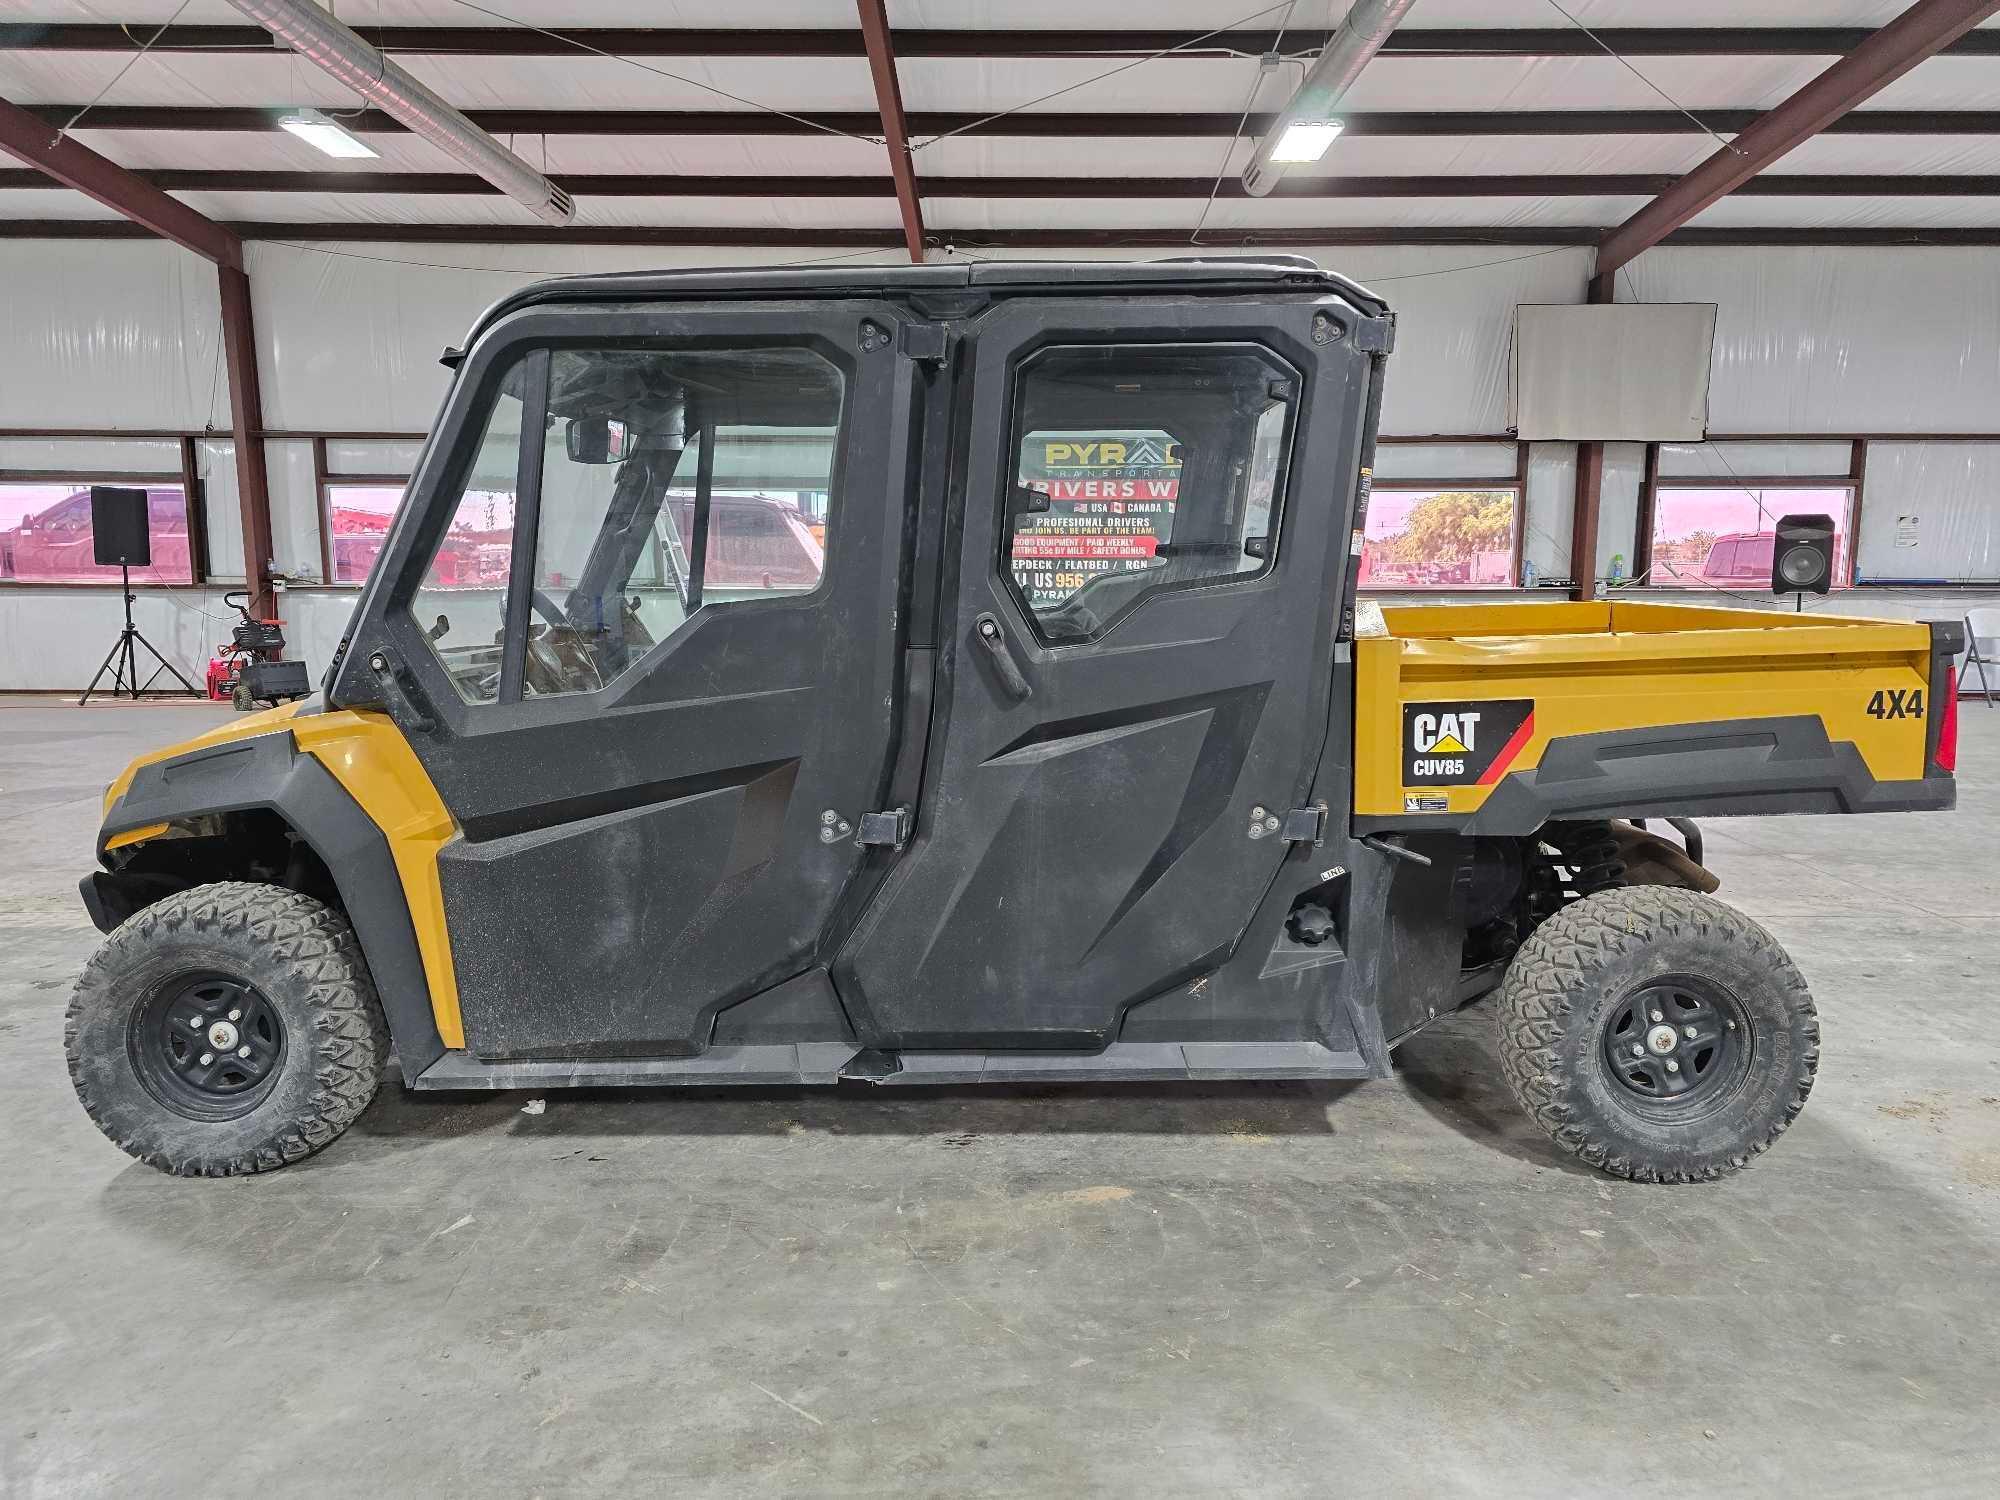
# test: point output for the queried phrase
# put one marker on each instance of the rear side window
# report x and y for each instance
(1138, 468)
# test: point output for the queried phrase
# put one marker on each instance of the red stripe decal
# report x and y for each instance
(1508, 751)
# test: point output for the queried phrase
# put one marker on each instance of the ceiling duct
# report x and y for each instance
(1309, 114)
(320, 39)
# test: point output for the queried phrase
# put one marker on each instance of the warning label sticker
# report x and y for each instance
(1466, 743)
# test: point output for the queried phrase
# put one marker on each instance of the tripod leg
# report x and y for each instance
(100, 674)
(165, 665)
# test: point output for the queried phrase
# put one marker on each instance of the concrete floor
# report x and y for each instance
(1273, 1289)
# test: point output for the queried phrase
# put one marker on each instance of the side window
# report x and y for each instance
(462, 602)
(668, 481)
(1141, 467)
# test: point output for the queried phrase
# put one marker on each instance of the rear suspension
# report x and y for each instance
(1590, 854)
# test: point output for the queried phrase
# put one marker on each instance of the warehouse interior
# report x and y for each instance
(1108, 1288)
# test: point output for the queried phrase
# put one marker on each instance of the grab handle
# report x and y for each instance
(994, 639)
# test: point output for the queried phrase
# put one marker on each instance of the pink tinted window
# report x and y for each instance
(45, 535)
(474, 553)
(1724, 537)
(1439, 539)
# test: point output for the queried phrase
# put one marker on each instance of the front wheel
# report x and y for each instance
(230, 1028)
(1658, 1034)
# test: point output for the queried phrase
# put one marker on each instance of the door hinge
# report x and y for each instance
(884, 830)
(923, 342)
(1304, 825)
(1376, 335)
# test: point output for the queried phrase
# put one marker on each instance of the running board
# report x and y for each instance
(830, 1062)
(751, 1063)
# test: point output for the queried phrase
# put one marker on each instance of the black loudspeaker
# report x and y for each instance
(118, 527)
(1802, 555)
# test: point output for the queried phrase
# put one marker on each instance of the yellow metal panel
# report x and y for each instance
(369, 757)
(1617, 665)
(136, 835)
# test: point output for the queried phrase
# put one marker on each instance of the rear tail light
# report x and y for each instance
(1946, 755)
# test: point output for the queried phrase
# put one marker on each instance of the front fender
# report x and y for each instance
(271, 772)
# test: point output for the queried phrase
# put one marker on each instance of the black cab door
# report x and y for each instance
(1134, 662)
(639, 624)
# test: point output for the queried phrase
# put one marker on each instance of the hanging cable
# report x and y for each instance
(1229, 146)
(1608, 52)
(693, 83)
(115, 77)
(1138, 62)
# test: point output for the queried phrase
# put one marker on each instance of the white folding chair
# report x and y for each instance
(1982, 649)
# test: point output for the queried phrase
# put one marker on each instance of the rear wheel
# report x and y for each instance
(230, 1028)
(1658, 1034)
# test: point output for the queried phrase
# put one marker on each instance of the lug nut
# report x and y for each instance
(194, 1023)
(1637, 1050)
(1658, 1017)
(236, 1015)
(242, 1051)
(1732, 1025)
(207, 1058)
(1672, 1066)
(1688, 1032)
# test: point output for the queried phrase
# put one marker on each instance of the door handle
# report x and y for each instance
(994, 639)
(402, 702)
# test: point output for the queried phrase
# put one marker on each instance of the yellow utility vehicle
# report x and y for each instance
(1064, 759)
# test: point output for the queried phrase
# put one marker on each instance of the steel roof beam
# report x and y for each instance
(1032, 42)
(754, 185)
(895, 130)
(1039, 124)
(1219, 241)
(1885, 56)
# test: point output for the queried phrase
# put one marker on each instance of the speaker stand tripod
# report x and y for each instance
(123, 660)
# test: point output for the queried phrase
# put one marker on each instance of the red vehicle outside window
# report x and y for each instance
(51, 543)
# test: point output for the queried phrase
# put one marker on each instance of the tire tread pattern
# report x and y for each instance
(1552, 975)
(349, 1038)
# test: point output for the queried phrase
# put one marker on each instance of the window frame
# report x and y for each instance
(1014, 434)
(1517, 483)
(186, 479)
(1849, 525)
(537, 352)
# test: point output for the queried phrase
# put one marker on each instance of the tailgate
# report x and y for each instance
(1496, 718)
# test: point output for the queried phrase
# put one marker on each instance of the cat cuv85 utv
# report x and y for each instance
(1060, 757)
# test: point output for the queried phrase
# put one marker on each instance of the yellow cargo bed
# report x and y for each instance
(1473, 715)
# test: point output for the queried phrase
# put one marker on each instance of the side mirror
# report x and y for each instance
(595, 440)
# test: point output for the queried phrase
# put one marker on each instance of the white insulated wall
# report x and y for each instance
(125, 335)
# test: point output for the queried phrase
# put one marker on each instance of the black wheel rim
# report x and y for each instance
(1678, 1042)
(207, 1045)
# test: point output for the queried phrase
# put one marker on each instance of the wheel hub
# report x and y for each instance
(1675, 1039)
(207, 1045)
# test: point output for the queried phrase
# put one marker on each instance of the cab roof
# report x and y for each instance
(1192, 274)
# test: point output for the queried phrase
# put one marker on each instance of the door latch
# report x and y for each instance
(884, 830)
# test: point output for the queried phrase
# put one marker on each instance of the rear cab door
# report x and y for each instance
(1143, 583)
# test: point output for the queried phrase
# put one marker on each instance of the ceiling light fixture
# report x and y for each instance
(1305, 127)
(337, 50)
(1305, 140)
(323, 134)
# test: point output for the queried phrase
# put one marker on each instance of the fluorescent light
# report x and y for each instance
(322, 134)
(1306, 140)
